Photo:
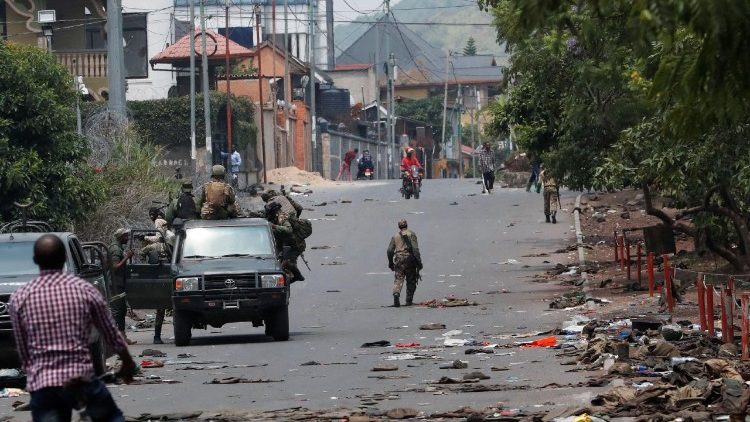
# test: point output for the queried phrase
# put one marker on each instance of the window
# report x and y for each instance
(135, 40)
(3, 24)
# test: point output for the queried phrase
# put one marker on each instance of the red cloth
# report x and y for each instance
(349, 157)
(407, 162)
(52, 317)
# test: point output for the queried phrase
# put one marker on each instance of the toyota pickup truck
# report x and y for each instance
(219, 272)
(86, 260)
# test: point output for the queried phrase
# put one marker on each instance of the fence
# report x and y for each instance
(332, 145)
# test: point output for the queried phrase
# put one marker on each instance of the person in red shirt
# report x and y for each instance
(346, 164)
(410, 160)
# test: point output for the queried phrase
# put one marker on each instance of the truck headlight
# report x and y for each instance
(276, 280)
(186, 284)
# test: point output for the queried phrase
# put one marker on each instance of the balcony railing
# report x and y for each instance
(86, 63)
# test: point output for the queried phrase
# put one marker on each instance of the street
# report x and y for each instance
(346, 300)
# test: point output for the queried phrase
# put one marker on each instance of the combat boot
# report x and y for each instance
(157, 336)
(409, 300)
(396, 301)
(296, 274)
(546, 218)
(554, 219)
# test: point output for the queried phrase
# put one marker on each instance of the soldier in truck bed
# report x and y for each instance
(217, 200)
(288, 205)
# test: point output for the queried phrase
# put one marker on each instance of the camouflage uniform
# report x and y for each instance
(119, 306)
(551, 195)
(288, 205)
(217, 201)
(283, 231)
(406, 264)
(155, 250)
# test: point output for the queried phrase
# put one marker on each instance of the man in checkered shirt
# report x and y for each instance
(487, 167)
(52, 319)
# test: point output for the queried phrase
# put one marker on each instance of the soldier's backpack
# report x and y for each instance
(302, 227)
(186, 207)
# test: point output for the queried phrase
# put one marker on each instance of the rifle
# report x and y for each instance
(406, 240)
(305, 261)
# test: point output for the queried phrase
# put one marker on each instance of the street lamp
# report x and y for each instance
(46, 18)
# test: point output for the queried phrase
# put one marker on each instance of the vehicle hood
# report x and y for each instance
(11, 283)
(228, 266)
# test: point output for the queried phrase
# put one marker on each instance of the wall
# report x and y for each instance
(354, 80)
(17, 30)
(333, 145)
(412, 93)
(160, 34)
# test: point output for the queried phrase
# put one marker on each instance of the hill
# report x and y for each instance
(440, 36)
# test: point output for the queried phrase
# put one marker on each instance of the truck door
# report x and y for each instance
(86, 269)
(147, 285)
(96, 257)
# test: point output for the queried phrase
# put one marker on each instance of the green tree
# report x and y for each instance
(428, 110)
(42, 158)
(471, 47)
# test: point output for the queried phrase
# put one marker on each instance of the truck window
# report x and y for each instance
(76, 253)
(17, 258)
(202, 242)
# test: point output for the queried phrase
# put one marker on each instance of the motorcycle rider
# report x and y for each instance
(406, 163)
(365, 162)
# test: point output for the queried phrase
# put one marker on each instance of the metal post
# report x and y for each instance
(474, 128)
(617, 244)
(710, 309)
(193, 152)
(329, 35)
(638, 266)
(227, 73)
(745, 326)
(622, 252)
(459, 140)
(77, 86)
(727, 319)
(260, 93)
(700, 288)
(206, 99)
(627, 257)
(668, 284)
(377, 95)
(115, 60)
(445, 97)
(313, 107)
(650, 270)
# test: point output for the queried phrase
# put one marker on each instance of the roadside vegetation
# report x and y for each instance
(650, 95)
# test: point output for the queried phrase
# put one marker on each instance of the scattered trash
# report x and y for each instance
(320, 247)
(410, 356)
(447, 302)
(333, 263)
(453, 203)
(456, 364)
(408, 345)
(310, 363)
(9, 373)
(379, 343)
(152, 363)
(452, 333)
(433, 326)
(153, 353)
(384, 368)
(455, 342)
(401, 413)
(11, 392)
(542, 342)
(238, 380)
(476, 376)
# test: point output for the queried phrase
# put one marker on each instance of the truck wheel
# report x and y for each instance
(182, 325)
(97, 358)
(277, 324)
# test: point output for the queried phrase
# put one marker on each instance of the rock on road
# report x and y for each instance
(346, 300)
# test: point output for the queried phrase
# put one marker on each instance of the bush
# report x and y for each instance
(42, 158)
(167, 122)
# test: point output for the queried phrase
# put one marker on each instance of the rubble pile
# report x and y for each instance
(657, 368)
(294, 176)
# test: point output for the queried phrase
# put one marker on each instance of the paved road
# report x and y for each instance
(340, 307)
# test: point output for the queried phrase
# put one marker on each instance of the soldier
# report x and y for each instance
(155, 250)
(118, 259)
(184, 205)
(288, 205)
(217, 200)
(284, 233)
(404, 258)
(551, 195)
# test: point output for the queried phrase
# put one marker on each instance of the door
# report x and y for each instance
(147, 285)
(96, 257)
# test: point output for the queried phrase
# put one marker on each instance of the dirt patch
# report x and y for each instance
(294, 176)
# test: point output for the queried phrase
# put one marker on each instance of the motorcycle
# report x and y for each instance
(366, 170)
(412, 183)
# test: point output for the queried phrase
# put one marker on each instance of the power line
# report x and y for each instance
(401, 35)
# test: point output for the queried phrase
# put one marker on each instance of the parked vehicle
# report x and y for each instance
(220, 271)
(86, 260)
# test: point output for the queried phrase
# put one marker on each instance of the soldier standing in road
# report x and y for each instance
(551, 195)
(118, 259)
(404, 258)
(217, 201)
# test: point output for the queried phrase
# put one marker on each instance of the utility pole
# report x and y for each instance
(389, 99)
(287, 81)
(474, 129)
(392, 111)
(445, 97)
(260, 92)
(228, 72)
(313, 111)
(206, 100)
(193, 153)
(115, 60)
(377, 96)
(275, 86)
(459, 142)
(329, 35)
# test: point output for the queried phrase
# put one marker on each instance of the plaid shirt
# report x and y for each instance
(52, 317)
(486, 160)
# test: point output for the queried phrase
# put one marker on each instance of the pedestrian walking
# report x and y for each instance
(118, 259)
(404, 258)
(487, 167)
(534, 177)
(346, 164)
(52, 318)
(551, 195)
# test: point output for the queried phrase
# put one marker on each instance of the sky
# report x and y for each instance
(343, 11)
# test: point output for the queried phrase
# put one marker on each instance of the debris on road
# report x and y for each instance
(239, 380)
(152, 363)
(408, 345)
(447, 302)
(433, 326)
(456, 364)
(379, 343)
(476, 375)
(384, 368)
(154, 353)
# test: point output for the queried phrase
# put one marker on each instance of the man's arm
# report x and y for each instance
(19, 331)
(119, 259)
(391, 250)
(103, 321)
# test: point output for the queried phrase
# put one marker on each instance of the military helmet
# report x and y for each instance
(119, 233)
(402, 224)
(267, 196)
(187, 186)
(218, 170)
(272, 207)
